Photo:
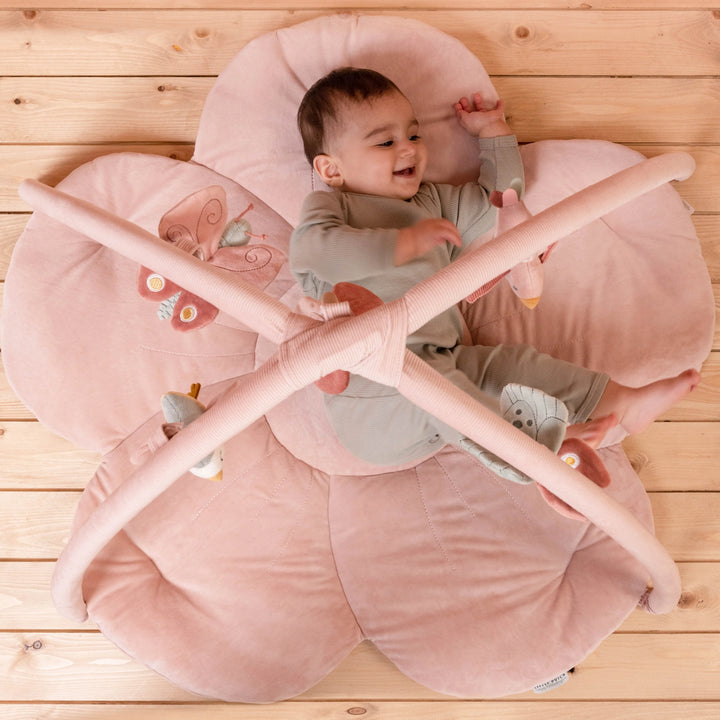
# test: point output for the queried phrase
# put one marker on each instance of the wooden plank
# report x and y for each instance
(102, 109)
(626, 110)
(11, 226)
(362, 5)
(708, 230)
(25, 601)
(167, 109)
(203, 42)
(676, 456)
(34, 525)
(635, 667)
(77, 666)
(375, 710)
(85, 667)
(35, 457)
(509, 42)
(688, 524)
(10, 406)
(703, 404)
(26, 604)
(51, 163)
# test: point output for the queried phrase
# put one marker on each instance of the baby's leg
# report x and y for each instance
(490, 369)
(596, 403)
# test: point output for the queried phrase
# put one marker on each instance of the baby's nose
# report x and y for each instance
(407, 149)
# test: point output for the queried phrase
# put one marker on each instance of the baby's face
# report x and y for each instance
(377, 149)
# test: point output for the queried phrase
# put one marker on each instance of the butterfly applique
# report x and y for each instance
(198, 225)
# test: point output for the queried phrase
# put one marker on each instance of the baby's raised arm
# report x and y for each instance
(480, 121)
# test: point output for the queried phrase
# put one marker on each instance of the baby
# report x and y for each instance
(384, 228)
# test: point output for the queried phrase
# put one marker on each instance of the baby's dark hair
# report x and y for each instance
(323, 99)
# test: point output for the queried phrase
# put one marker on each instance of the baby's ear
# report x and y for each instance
(326, 167)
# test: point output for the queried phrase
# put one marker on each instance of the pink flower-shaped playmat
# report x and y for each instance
(255, 587)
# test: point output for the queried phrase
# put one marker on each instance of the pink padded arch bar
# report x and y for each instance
(304, 358)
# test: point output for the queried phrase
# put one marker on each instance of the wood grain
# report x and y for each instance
(367, 5)
(167, 109)
(35, 457)
(517, 42)
(535, 709)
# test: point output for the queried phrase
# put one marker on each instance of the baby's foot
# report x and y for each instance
(637, 408)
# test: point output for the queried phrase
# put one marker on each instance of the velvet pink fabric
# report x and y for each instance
(255, 588)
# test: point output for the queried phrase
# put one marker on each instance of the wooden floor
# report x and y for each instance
(76, 83)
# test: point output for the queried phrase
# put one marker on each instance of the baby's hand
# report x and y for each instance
(418, 239)
(480, 121)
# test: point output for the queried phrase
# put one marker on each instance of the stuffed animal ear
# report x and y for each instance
(580, 456)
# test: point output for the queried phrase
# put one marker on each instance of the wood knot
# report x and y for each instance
(356, 711)
(18, 101)
(716, 14)
(638, 460)
(687, 600)
(30, 14)
(522, 32)
(201, 33)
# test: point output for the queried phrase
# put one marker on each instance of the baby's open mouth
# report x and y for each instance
(406, 172)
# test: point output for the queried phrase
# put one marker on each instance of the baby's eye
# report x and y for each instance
(414, 138)
(387, 143)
